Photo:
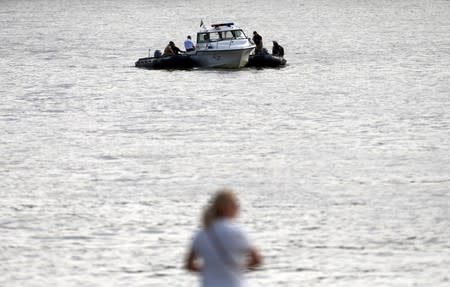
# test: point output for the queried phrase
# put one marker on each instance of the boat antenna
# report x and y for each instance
(202, 24)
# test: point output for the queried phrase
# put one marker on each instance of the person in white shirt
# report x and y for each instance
(188, 44)
(220, 251)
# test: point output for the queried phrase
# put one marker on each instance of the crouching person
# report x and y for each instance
(277, 49)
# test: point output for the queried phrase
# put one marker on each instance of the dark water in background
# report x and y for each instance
(341, 159)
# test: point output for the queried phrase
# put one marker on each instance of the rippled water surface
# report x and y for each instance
(341, 159)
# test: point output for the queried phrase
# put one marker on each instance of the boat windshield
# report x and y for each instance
(220, 36)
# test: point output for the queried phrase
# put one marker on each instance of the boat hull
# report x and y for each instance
(229, 59)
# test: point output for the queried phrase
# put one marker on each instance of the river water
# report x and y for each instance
(341, 159)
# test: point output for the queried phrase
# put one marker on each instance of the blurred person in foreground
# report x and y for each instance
(220, 251)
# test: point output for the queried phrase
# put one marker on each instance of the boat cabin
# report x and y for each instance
(219, 36)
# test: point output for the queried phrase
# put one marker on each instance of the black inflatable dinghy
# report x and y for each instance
(186, 62)
(166, 62)
(266, 60)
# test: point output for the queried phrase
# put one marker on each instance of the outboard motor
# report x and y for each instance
(157, 54)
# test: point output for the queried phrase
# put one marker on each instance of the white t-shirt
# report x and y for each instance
(218, 271)
(188, 44)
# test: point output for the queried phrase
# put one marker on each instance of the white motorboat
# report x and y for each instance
(222, 46)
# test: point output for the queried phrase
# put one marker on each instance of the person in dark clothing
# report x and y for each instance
(277, 50)
(175, 49)
(257, 39)
(168, 50)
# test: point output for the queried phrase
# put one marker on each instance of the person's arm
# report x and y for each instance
(254, 259)
(192, 262)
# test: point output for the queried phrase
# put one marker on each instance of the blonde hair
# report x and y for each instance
(214, 209)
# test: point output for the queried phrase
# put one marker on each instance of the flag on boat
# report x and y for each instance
(201, 23)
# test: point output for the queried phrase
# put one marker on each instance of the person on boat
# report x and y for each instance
(257, 39)
(188, 44)
(277, 49)
(171, 49)
(168, 50)
(221, 251)
(175, 49)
